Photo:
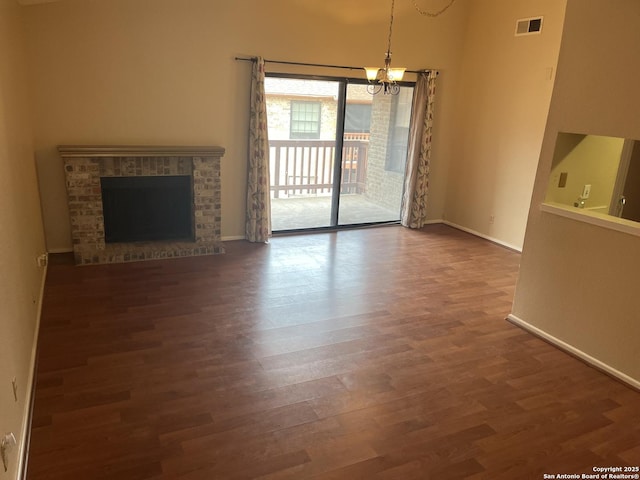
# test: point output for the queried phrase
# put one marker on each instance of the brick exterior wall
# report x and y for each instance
(383, 187)
(84, 166)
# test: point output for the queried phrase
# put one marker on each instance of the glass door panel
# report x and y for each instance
(376, 133)
(302, 118)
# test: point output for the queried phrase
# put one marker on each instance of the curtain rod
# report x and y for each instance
(281, 62)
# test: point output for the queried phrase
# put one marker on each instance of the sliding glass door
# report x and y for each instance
(337, 153)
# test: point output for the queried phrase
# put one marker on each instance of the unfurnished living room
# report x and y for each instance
(228, 252)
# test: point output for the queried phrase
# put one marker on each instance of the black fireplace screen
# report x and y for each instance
(140, 209)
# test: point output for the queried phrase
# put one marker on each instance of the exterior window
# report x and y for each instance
(357, 118)
(305, 119)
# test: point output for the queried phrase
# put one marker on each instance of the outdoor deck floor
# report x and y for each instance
(311, 212)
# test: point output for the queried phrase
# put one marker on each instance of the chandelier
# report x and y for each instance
(384, 79)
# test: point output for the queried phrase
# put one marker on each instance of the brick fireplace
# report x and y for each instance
(86, 166)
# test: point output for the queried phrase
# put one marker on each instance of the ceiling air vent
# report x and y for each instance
(528, 26)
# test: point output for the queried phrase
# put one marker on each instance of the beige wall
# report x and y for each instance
(587, 160)
(21, 236)
(163, 72)
(578, 282)
(505, 90)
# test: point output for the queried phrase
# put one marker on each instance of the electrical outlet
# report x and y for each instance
(42, 260)
(492, 219)
(586, 191)
(6, 445)
(14, 384)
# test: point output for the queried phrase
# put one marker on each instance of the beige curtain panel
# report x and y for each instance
(416, 186)
(258, 223)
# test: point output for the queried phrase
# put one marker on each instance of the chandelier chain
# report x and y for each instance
(432, 14)
(390, 28)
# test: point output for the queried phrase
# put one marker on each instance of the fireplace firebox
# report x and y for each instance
(138, 209)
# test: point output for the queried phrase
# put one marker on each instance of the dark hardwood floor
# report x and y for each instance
(380, 353)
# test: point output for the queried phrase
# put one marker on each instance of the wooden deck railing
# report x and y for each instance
(305, 167)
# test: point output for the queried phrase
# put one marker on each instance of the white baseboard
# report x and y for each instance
(60, 250)
(25, 434)
(594, 362)
(231, 238)
(482, 235)
(434, 222)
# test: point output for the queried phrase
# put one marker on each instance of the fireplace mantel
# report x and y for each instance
(85, 165)
(97, 151)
